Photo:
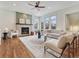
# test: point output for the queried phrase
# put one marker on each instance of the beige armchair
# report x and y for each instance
(59, 45)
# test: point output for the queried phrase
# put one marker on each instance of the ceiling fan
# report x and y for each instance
(37, 5)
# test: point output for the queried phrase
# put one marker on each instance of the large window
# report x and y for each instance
(53, 22)
(47, 23)
(36, 24)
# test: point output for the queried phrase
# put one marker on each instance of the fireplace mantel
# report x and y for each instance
(22, 24)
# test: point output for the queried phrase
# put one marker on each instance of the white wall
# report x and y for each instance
(7, 19)
(61, 16)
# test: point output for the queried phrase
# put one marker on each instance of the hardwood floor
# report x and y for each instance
(74, 53)
(14, 48)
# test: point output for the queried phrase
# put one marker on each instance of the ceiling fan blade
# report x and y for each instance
(37, 3)
(31, 4)
(41, 6)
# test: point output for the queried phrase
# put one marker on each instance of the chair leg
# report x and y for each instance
(45, 38)
(68, 52)
(45, 49)
(63, 50)
(61, 54)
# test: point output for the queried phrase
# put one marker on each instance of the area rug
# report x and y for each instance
(36, 46)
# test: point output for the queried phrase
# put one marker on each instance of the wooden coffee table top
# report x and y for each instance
(14, 48)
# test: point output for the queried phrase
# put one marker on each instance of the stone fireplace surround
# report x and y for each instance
(19, 28)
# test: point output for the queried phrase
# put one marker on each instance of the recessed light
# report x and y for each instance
(14, 4)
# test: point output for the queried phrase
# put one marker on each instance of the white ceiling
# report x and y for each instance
(50, 6)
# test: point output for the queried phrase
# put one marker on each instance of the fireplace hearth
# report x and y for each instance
(25, 30)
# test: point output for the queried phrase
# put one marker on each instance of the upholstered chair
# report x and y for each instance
(59, 45)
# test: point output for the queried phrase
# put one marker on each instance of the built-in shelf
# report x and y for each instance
(22, 24)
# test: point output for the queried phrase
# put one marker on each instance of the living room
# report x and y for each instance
(36, 28)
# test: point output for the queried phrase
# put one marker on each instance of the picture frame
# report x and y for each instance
(21, 20)
(28, 21)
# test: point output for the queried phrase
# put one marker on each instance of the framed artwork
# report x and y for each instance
(28, 21)
(21, 20)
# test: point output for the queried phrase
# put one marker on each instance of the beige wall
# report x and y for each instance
(73, 20)
(62, 20)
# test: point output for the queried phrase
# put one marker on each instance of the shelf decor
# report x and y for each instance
(28, 21)
(22, 21)
(22, 18)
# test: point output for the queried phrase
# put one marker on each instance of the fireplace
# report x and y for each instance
(25, 30)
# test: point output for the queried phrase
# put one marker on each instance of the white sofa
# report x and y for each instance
(54, 33)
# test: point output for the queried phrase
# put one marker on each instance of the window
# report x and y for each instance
(47, 23)
(36, 24)
(42, 25)
(53, 22)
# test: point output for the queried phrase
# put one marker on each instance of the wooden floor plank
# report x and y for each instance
(14, 48)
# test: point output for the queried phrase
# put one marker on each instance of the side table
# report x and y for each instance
(5, 35)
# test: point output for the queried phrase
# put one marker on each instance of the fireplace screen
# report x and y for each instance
(25, 30)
